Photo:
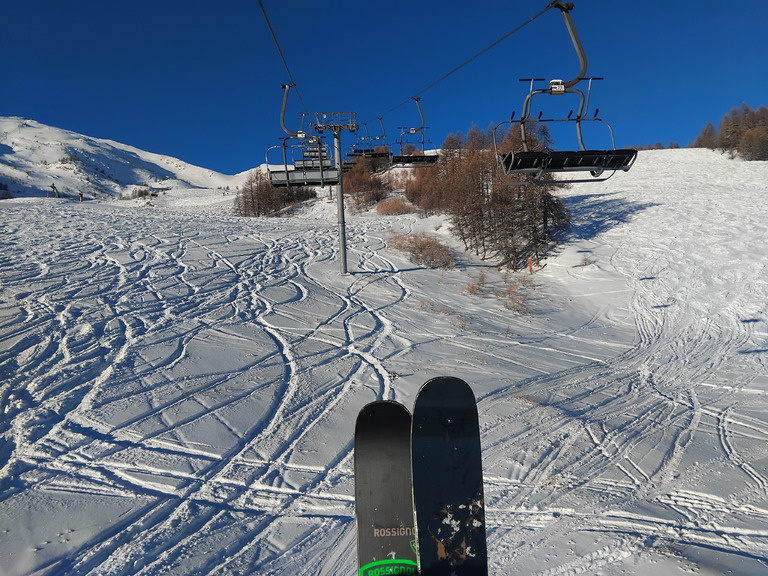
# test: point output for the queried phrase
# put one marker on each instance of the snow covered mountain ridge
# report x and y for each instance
(34, 156)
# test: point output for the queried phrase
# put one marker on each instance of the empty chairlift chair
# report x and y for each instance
(538, 163)
(418, 157)
(363, 147)
(304, 162)
(379, 144)
(593, 161)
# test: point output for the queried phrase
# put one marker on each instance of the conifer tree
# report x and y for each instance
(362, 187)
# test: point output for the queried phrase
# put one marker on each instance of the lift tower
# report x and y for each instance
(336, 122)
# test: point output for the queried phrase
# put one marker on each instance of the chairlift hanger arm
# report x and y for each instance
(383, 131)
(421, 114)
(560, 87)
(412, 131)
(565, 9)
(292, 134)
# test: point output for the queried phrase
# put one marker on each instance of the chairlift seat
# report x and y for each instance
(420, 159)
(620, 159)
(321, 177)
(578, 161)
(378, 155)
(281, 178)
(529, 162)
(595, 161)
(313, 177)
(366, 152)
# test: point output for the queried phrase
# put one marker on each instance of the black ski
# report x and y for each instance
(448, 480)
(386, 543)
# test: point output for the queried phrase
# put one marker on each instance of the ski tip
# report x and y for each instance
(446, 381)
(383, 406)
(448, 385)
(383, 411)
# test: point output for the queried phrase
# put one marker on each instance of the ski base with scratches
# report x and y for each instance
(447, 476)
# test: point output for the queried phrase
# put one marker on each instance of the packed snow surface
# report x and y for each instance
(179, 386)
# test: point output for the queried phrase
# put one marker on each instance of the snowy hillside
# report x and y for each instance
(34, 156)
(179, 386)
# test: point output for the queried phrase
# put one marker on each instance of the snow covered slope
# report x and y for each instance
(179, 386)
(34, 156)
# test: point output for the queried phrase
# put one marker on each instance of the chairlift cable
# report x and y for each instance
(483, 51)
(285, 63)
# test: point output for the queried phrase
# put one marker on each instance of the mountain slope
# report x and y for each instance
(179, 389)
(34, 156)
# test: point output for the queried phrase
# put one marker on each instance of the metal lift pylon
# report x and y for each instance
(314, 168)
(336, 122)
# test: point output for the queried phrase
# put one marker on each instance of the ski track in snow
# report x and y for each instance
(638, 444)
(104, 398)
(180, 389)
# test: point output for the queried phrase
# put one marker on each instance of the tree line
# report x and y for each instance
(502, 219)
(362, 189)
(743, 132)
(257, 196)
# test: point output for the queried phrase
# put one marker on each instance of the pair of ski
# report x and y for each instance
(427, 465)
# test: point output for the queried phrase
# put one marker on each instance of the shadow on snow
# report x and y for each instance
(594, 214)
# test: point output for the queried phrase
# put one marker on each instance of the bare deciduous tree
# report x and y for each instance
(257, 197)
(497, 221)
(742, 131)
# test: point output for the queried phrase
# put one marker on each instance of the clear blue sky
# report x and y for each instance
(200, 80)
